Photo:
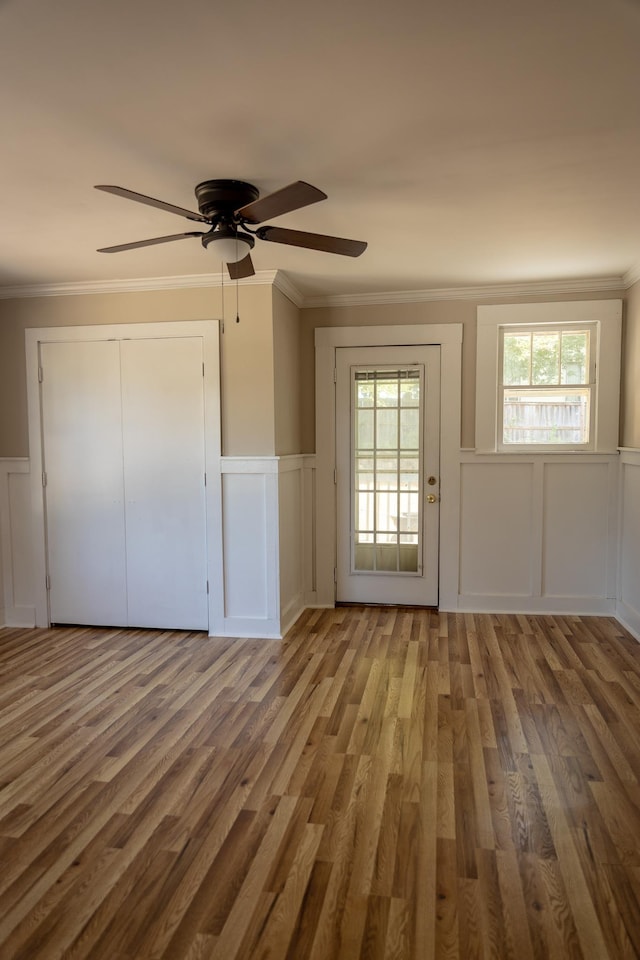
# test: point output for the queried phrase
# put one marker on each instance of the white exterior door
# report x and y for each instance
(387, 474)
(124, 461)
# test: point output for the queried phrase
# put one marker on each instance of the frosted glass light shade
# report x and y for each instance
(230, 249)
(229, 244)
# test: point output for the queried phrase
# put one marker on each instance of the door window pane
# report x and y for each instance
(387, 467)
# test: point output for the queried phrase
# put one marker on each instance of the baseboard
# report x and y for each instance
(18, 616)
(569, 606)
(291, 613)
(249, 628)
(629, 617)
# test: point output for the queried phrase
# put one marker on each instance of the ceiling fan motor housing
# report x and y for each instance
(221, 198)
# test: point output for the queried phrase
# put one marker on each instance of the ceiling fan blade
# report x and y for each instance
(148, 243)
(313, 241)
(151, 202)
(243, 268)
(293, 197)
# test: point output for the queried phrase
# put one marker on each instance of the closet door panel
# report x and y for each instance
(164, 457)
(82, 451)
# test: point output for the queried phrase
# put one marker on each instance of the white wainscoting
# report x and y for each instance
(268, 521)
(297, 536)
(538, 533)
(17, 608)
(628, 597)
(267, 531)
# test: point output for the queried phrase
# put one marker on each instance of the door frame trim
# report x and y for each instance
(327, 341)
(209, 331)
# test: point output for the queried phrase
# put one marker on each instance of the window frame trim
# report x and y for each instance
(607, 317)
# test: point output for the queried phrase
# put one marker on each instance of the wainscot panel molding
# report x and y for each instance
(293, 505)
(628, 596)
(17, 608)
(539, 532)
(268, 535)
(268, 541)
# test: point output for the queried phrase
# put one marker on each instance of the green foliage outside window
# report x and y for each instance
(539, 358)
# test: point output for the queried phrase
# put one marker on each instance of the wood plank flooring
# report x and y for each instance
(383, 783)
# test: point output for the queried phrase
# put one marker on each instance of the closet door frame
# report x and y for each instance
(209, 332)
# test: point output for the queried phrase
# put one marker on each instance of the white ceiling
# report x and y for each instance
(468, 141)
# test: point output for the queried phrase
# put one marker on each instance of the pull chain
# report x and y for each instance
(222, 291)
(237, 282)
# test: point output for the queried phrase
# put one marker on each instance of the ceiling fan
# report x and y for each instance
(229, 207)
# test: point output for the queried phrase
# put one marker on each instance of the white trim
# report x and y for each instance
(543, 606)
(260, 465)
(261, 497)
(327, 340)
(631, 276)
(540, 288)
(630, 455)
(140, 284)
(606, 314)
(287, 287)
(627, 608)
(534, 595)
(629, 618)
(281, 280)
(208, 330)
(12, 613)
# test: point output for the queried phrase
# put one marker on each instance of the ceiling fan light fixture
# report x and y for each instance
(231, 245)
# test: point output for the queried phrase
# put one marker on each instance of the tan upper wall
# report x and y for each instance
(440, 311)
(630, 399)
(268, 371)
(248, 426)
(286, 375)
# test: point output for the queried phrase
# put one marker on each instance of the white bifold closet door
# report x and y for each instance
(124, 460)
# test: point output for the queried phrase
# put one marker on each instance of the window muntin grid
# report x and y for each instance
(387, 406)
(547, 377)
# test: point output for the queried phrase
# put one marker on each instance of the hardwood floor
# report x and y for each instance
(383, 783)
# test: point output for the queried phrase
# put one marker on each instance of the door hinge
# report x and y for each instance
(207, 586)
(335, 574)
(44, 479)
(203, 369)
(335, 475)
(335, 375)
(205, 479)
(40, 374)
(47, 582)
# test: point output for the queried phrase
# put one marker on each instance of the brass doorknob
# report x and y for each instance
(431, 498)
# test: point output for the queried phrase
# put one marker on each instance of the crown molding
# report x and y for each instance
(286, 286)
(481, 292)
(631, 276)
(138, 285)
(279, 279)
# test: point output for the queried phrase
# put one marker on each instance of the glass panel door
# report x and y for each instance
(387, 474)
(387, 425)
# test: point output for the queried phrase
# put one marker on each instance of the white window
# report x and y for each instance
(548, 376)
